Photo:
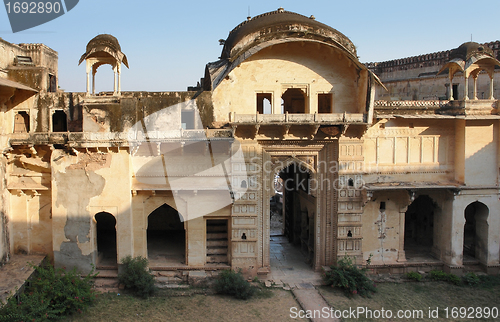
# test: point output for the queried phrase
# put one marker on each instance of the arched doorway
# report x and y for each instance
(106, 239)
(295, 206)
(59, 122)
(166, 237)
(419, 227)
(476, 232)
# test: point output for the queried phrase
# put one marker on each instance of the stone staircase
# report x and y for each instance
(107, 279)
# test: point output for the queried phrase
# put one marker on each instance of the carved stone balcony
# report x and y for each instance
(117, 139)
(442, 107)
(298, 119)
(337, 123)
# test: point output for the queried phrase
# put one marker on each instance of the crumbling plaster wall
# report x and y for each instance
(8, 52)
(4, 211)
(83, 185)
(381, 226)
(276, 68)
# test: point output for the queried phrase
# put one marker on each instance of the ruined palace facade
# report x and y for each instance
(393, 162)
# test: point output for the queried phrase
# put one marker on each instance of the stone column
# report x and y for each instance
(119, 80)
(88, 83)
(89, 69)
(475, 87)
(450, 89)
(401, 248)
(466, 90)
(94, 70)
(491, 88)
(115, 85)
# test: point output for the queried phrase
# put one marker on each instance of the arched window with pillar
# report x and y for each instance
(470, 59)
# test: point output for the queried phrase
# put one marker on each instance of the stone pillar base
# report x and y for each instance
(457, 270)
(401, 256)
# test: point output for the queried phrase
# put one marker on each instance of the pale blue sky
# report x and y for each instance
(168, 43)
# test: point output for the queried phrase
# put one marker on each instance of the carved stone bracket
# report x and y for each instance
(367, 195)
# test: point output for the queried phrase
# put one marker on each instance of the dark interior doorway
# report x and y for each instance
(293, 101)
(59, 122)
(106, 239)
(166, 237)
(419, 227)
(295, 200)
(476, 232)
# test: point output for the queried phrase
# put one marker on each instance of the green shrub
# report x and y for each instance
(438, 276)
(233, 283)
(414, 276)
(348, 277)
(442, 276)
(136, 277)
(454, 279)
(471, 279)
(50, 295)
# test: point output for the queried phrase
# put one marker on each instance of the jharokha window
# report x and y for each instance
(293, 101)
(264, 103)
(22, 122)
(325, 103)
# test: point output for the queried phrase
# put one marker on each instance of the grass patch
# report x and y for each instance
(190, 307)
(419, 296)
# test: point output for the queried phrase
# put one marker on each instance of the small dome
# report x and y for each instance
(470, 49)
(104, 40)
(106, 45)
(281, 24)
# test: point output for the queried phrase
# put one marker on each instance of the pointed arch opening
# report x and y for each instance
(419, 228)
(106, 239)
(292, 213)
(166, 237)
(476, 233)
